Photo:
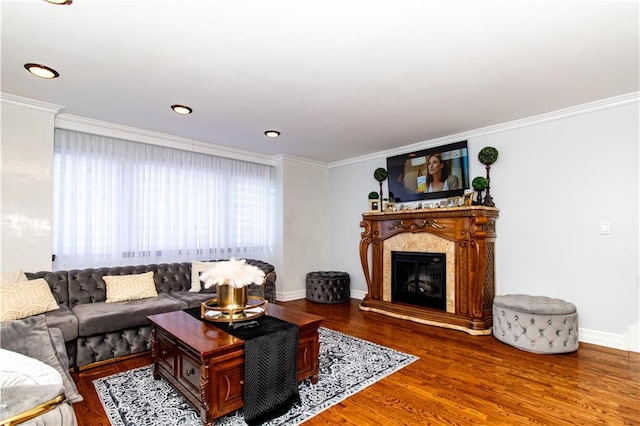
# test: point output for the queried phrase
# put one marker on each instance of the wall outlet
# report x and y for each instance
(605, 228)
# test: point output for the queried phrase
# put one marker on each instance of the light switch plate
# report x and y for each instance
(605, 228)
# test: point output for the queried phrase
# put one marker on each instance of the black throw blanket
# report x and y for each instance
(270, 365)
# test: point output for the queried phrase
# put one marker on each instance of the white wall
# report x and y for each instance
(27, 186)
(305, 243)
(556, 179)
(556, 183)
(349, 187)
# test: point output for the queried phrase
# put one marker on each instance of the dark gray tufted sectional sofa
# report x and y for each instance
(96, 331)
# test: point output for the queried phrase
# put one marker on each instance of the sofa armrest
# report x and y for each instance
(24, 402)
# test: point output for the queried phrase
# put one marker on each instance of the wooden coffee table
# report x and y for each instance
(206, 364)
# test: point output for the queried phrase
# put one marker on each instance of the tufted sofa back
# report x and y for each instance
(58, 282)
(87, 285)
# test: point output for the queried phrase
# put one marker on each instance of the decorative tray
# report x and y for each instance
(256, 307)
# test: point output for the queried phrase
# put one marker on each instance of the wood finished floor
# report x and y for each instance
(458, 380)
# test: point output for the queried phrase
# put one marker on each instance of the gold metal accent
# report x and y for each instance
(33, 412)
(256, 306)
(230, 297)
(426, 223)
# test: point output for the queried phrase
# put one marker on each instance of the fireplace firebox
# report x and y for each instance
(419, 279)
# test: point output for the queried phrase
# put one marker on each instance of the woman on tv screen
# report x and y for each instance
(439, 177)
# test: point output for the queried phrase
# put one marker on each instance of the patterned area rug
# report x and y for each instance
(347, 365)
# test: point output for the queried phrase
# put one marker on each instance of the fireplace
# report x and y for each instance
(460, 240)
(419, 279)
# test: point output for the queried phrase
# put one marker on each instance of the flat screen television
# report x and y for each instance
(437, 172)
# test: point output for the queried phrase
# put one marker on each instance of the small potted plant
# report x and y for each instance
(479, 184)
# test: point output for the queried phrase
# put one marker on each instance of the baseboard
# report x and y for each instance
(301, 294)
(358, 294)
(601, 338)
(292, 295)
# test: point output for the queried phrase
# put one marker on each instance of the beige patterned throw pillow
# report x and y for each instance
(196, 269)
(10, 277)
(130, 287)
(26, 298)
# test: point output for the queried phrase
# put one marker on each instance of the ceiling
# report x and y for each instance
(339, 78)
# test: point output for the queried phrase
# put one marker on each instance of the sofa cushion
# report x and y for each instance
(60, 347)
(24, 299)
(63, 319)
(30, 337)
(103, 317)
(192, 299)
(130, 287)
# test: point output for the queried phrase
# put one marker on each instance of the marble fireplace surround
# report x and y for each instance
(466, 235)
(416, 243)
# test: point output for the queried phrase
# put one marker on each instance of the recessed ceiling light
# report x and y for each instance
(272, 133)
(59, 1)
(42, 71)
(181, 109)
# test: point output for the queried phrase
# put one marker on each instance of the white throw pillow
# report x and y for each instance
(17, 369)
(11, 277)
(26, 298)
(130, 287)
(196, 269)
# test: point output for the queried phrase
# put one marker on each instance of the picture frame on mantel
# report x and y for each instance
(452, 202)
(374, 205)
(466, 199)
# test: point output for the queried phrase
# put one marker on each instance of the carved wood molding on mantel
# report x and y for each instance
(473, 231)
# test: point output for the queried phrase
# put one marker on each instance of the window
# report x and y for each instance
(118, 202)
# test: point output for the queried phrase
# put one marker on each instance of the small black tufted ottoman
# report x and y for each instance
(328, 287)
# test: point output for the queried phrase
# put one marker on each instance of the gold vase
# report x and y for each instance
(230, 297)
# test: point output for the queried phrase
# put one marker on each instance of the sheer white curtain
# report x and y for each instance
(118, 202)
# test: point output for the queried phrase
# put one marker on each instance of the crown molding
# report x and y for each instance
(300, 160)
(89, 125)
(30, 103)
(586, 108)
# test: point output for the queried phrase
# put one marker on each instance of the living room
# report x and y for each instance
(564, 172)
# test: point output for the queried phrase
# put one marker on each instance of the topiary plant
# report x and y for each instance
(488, 155)
(479, 183)
(373, 195)
(380, 174)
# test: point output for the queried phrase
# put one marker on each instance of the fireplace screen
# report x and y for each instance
(419, 279)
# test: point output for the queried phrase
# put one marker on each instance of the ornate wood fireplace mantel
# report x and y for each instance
(466, 234)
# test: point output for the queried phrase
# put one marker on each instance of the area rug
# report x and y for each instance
(347, 365)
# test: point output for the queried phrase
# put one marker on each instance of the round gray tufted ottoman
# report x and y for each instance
(535, 323)
(328, 287)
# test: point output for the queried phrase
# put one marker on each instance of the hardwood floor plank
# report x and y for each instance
(458, 380)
